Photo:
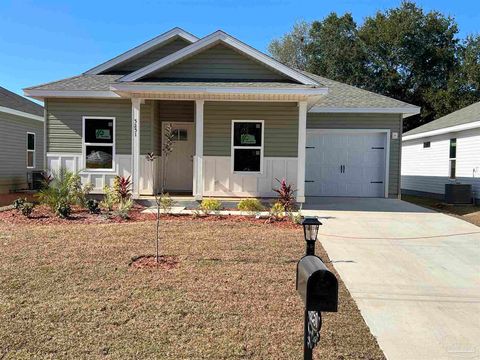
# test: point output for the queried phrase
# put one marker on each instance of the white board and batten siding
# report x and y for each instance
(427, 170)
(122, 167)
(221, 181)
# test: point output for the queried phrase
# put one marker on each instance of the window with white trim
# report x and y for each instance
(98, 143)
(30, 150)
(247, 146)
(453, 158)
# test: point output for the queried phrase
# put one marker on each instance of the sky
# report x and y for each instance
(47, 40)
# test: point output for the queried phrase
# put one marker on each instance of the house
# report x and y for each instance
(21, 140)
(446, 150)
(240, 120)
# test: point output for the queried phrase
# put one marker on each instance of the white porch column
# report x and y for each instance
(302, 135)
(136, 103)
(198, 160)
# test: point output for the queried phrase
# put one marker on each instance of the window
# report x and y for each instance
(426, 144)
(30, 150)
(180, 134)
(98, 143)
(247, 146)
(453, 158)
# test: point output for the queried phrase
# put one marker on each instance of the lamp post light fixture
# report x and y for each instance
(310, 232)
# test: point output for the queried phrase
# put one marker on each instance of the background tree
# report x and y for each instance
(403, 53)
(290, 49)
(336, 51)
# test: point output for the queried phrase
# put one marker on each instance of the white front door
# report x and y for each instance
(179, 166)
(345, 163)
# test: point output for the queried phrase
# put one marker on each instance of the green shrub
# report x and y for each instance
(124, 208)
(93, 206)
(110, 198)
(27, 208)
(63, 210)
(17, 204)
(63, 188)
(82, 193)
(165, 203)
(296, 218)
(277, 211)
(250, 205)
(210, 205)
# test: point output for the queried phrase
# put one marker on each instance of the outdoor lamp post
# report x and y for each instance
(310, 232)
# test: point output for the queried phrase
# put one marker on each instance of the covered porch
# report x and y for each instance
(202, 160)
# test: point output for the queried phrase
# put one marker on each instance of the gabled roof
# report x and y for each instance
(143, 48)
(346, 98)
(18, 105)
(207, 42)
(463, 119)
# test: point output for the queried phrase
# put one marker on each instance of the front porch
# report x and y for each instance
(201, 162)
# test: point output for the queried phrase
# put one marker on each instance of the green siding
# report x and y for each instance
(366, 121)
(281, 126)
(219, 62)
(13, 150)
(150, 57)
(64, 122)
(172, 111)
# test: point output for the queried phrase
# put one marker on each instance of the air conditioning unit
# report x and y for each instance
(458, 193)
(35, 180)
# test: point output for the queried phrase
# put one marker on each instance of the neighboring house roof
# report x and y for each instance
(344, 98)
(463, 119)
(16, 104)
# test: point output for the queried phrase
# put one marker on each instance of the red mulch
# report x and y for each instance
(42, 215)
(8, 199)
(149, 262)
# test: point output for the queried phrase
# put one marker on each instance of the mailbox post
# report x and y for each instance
(317, 287)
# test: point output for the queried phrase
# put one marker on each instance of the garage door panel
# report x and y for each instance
(346, 164)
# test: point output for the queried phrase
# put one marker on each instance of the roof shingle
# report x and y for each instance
(346, 96)
(13, 101)
(466, 115)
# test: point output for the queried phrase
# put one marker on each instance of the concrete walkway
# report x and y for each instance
(414, 273)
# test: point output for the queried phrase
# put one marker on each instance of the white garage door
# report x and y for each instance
(345, 163)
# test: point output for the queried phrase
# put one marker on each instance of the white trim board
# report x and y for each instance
(20, 113)
(41, 94)
(360, 131)
(218, 89)
(414, 110)
(207, 41)
(84, 145)
(233, 147)
(34, 151)
(161, 39)
(446, 130)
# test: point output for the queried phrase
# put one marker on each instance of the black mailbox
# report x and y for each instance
(316, 285)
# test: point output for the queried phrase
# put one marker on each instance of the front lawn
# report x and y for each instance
(66, 291)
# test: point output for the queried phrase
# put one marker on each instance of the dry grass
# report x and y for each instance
(67, 292)
(468, 213)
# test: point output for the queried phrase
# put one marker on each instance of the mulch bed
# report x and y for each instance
(42, 215)
(149, 262)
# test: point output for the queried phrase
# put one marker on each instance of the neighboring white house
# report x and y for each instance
(443, 151)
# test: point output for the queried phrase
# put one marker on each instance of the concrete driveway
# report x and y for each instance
(414, 274)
